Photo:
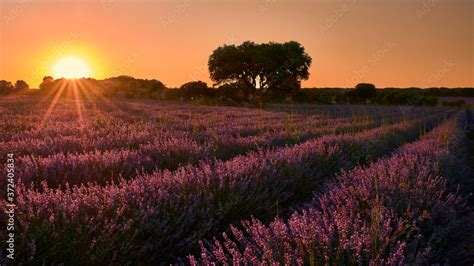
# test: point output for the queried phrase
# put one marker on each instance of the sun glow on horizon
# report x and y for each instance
(71, 67)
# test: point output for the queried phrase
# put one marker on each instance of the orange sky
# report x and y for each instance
(398, 43)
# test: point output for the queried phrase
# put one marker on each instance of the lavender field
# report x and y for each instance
(112, 182)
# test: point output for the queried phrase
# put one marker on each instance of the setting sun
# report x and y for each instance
(71, 67)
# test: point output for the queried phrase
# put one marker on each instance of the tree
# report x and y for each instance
(47, 80)
(261, 68)
(130, 87)
(21, 85)
(154, 87)
(195, 89)
(364, 91)
(6, 87)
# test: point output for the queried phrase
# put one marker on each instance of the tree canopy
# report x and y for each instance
(195, 89)
(267, 68)
(6, 87)
(21, 85)
(363, 91)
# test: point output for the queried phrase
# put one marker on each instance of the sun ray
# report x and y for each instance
(49, 93)
(52, 105)
(95, 97)
(109, 103)
(78, 102)
(85, 89)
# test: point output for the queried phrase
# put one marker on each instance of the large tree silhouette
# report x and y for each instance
(268, 68)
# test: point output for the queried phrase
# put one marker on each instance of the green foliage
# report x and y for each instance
(261, 69)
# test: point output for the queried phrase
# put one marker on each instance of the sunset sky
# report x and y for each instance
(399, 43)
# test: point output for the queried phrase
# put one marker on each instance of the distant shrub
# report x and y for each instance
(362, 93)
(136, 88)
(21, 85)
(6, 87)
(196, 89)
(47, 83)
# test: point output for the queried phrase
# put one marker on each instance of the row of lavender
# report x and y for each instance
(100, 124)
(68, 138)
(104, 154)
(160, 216)
(60, 131)
(408, 208)
(21, 124)
(23, 116)
(101, 154)
(168, 153)
(71, 139)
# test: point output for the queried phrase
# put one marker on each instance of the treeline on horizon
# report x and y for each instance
(251, 73)
(230, 94)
